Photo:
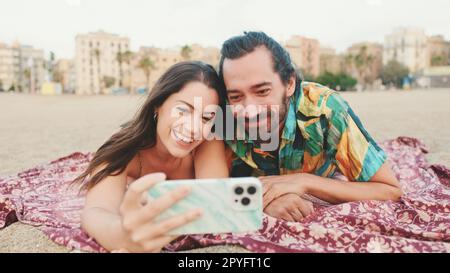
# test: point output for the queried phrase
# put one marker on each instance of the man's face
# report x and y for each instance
(252, 84)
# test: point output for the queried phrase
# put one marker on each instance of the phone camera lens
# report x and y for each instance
(245, 201)
(239, 190)
(251, 190)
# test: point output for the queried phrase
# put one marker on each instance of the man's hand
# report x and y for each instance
(279, 185)
(289, 207)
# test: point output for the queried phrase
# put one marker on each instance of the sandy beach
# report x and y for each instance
(36, 129)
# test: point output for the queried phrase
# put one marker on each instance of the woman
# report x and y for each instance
(165, 140)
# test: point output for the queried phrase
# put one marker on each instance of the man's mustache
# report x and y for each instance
(259, 117)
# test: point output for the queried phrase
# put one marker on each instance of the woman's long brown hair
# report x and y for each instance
(140, 132)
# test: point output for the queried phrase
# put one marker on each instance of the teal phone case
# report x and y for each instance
(223, 203)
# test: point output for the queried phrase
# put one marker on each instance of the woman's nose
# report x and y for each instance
(195, 128)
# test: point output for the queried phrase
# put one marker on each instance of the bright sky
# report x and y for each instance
(53, 24)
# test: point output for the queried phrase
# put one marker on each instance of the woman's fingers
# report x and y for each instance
(155, 245)
(157, 206)
(154, 230)
(132, 198)
(122, 250)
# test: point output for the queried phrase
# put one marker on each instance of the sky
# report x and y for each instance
(53, 24)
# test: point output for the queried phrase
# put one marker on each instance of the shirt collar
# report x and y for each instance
(290, 123)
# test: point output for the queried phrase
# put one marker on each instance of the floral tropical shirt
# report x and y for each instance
(321, 134)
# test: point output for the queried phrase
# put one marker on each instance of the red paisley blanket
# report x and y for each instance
(420, 222)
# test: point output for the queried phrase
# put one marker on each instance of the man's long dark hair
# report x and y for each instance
(239, 46)
(140, 132)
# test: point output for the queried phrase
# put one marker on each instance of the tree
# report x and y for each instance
(186, 52)
(305, 75)
(96, 52)
(146, 65)
(362, 64)
(27, 75)
(58, 77)
(123, 57)
(393, 73)
(109, 81)
(50, 65)
(438, 60)
(340, 82)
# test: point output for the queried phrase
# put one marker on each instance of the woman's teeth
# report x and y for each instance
(183, 138)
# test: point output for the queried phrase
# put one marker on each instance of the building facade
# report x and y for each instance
(21, 68)
(438, 50)
(330, 61)
(367, 61)
(162, 59)
(97, 64)
(408, 46)
(65, 74)
(305, 53)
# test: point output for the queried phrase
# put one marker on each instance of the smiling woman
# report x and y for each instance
(165, 140)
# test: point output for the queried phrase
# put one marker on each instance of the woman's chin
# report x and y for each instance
(180, 152)
(177, 150)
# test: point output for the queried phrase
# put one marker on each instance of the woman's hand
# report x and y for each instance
(142, 233)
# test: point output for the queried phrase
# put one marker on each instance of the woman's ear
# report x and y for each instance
(155, 114)
(291, 86)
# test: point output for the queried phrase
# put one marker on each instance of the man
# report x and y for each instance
(319, 134)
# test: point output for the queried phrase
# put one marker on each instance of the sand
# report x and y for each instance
(37, 129)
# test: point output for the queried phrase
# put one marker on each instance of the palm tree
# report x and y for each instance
(348, 63)
(108, 81)
(123, 57)
(59, 77)
(27, 75)
(186, 52)
(97, 54)
(438, 60)
(119, 59)
(363, 62)
(146, 65)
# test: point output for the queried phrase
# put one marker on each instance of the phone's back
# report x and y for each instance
(228, 205)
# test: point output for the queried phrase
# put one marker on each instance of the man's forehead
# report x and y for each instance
(247, 71)
(259, 60)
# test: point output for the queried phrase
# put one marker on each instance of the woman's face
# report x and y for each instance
(186, 118)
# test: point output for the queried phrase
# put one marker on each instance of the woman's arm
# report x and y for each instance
(116, 217)
(210, 160)
(100, 217)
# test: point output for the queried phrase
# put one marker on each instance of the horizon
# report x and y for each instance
(55, 31)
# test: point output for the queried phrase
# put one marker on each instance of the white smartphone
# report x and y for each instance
(228, 205)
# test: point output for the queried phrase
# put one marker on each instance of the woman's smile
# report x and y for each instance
(181, 139)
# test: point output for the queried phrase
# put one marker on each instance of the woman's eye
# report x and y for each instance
(207, 118)
(182, 110)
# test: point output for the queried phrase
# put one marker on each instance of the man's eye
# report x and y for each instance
(234, 98)
(263, 92)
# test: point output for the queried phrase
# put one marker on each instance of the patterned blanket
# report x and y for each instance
(419, 222)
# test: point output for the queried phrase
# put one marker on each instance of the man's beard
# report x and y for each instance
(273, 128)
